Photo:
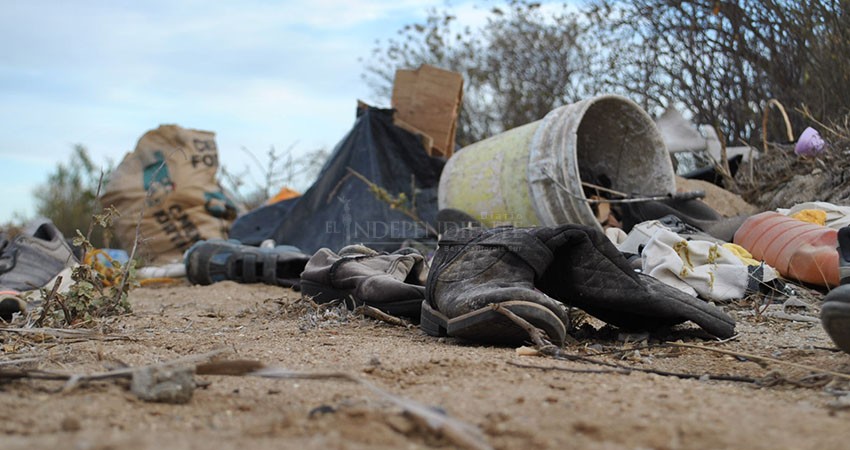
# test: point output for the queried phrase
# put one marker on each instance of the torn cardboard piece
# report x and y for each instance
(427, 102)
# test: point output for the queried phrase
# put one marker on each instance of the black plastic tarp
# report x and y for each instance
(339, 209)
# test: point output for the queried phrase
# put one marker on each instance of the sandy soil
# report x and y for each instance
(514, 407)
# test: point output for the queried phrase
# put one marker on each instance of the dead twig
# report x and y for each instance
(87, 241)
(337, 187)
(834, 130)
(13, 362)
(375, 313)
(629, 199)
(546, 348)
(722, 166)
(127, 372)
(683, 375)
(55, 332)
(394, 202)
(73, 379)
(625, 370)
(603, 189)
(567, 369)
(50, 296)
(763, 359)
(774, 102)
(65, 311)
(537, 336)
(18, 374)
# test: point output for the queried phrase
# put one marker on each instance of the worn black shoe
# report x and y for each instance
(474, 268)
(539, 270)
(588, 272)
(835, 312)
(392, 282)
(215, 260)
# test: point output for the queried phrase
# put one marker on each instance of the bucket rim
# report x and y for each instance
(558, 195)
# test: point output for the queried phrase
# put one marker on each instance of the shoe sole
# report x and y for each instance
(835, 317)
(487, 325)
(11, 304)
(321, 294)
(241, 263)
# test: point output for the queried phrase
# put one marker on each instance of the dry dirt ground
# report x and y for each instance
(513, 407)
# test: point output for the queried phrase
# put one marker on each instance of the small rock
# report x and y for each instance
(400, 424)
(527, 351)
(70, 424)
(164, 384)
(840, 404)
(321, 410)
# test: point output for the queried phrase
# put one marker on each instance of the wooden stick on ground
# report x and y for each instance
(46, 307)
(567, 369)
(535, 334)
(375, 313)
(762, 358)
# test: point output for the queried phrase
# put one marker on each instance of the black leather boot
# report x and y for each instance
(533, 272)
(589, 273)
(474, 268)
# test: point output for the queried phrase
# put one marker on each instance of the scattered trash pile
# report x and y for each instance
(507, 241)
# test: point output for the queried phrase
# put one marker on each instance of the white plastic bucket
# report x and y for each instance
(530, 175)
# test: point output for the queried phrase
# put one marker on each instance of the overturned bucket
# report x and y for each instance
(530, 175)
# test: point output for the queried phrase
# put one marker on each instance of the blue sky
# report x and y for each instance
(256, 72)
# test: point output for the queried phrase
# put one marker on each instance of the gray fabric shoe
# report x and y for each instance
(543, 268)
(34, 257)
(393, 283)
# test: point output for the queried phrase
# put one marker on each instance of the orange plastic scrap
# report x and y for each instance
(797, 249)
(102, 263)
(284, 194)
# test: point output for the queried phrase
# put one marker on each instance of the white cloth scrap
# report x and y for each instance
(639, 236)
(836, 216)
(616, 235)
(701, 268)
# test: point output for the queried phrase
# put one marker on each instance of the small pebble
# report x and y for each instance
(71, 424)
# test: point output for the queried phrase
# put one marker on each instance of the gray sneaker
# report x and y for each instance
(392, 282)
(34, 257)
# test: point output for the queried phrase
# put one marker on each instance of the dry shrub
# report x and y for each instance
(780, 178)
